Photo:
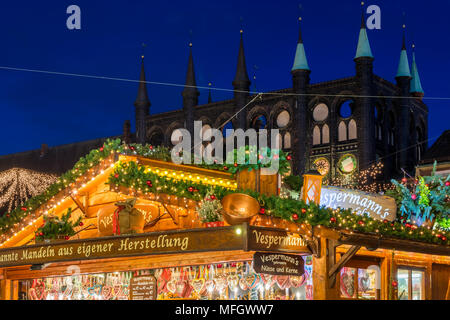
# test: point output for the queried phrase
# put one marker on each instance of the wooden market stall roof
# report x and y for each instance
(23, 231)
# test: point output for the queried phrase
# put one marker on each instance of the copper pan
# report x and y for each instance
(239, 208)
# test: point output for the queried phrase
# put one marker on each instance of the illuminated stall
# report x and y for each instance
(258, 245)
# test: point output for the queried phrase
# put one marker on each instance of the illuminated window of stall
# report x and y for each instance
(359, 279)
(411, 284)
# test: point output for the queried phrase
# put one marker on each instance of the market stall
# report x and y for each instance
(126, 223)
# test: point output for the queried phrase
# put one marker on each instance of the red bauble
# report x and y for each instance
(24, 208)
(385, 221)
(404, 180)
(151, 147)
(213, 197)
(262, 211)
(225, 168)
(408, 225)
(289, 158)
(295, 216)
(235, 164)
(233, 264)
(219, 265)
(413, 196)
(443, 238)
(101, 149)
(303, 210)
(394, 284)
(131, 148)
(360, 222)
(116, 175)
(81, 224)
(190, 189)
(66, 237)
(149, 183)
(333, 219)
(447, 183)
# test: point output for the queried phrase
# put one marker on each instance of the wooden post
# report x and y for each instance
(5, 289)
(321, 268)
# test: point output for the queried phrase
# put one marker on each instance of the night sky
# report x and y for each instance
(40, 108)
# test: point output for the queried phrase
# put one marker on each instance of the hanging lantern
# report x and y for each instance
(312, 185)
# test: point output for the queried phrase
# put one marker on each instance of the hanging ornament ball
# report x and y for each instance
(262, 211)
(225, 168)
(295, 216)
(219, 265)
(116, 175)
(447, 183)
(289, 157)
(213, 197)
(333, 219)
(235, 164)
(190, 189)
(81, 224)
(101, 149)
(414, 196)
(404, 180)
(303, 210)
(385, 221)
(360, 222)
(66, 237)
(149, 183)
(394, 284)
(151, 147)
(443, 238)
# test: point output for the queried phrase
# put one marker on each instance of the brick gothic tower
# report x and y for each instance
(300, 78)
(241, 85)
(190, 96)
(142, 105)
(365, 108)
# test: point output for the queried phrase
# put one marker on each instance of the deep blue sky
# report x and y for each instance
(52, 109)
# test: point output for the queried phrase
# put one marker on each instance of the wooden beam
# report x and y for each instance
(374, 241)
(336, 267)
(79, 204)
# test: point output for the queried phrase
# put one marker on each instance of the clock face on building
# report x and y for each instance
(322, 165)
(347, 164)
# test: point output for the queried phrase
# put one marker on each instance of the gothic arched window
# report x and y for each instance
(316, 136)
(287, 141)
(325, 134)
(342, 131)
(352, 131)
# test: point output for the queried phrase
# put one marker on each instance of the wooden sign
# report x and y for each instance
(178, 241)
(143, 288)
(376, 206)
(278, 264)
(270, 239)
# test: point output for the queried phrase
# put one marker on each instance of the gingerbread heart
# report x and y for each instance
(117, 291)
(297, 281)
(40, 291)
(243, 284)
(252, 281)
(233, 281)
(267, 279)
(221, 283)
(209, 285)
(198, 285)
(172, 286)
(95, 291)
(181, 287)
(283, 282)
(67, 293)
(107, 292)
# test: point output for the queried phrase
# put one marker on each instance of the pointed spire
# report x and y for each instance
(209, 93)
(403, 65)
(416, 85)
(241, 79)
(142, 96)
(363, 49)
(300, 61)
(191, 85)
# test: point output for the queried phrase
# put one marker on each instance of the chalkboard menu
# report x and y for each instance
(143, 288)
(278, 264)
